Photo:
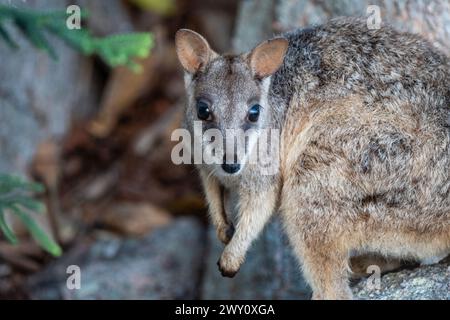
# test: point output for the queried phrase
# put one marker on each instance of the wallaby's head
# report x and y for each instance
(228, 94)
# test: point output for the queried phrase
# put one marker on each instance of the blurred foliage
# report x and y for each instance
(115, 50)
(161, 7)
(16, 198)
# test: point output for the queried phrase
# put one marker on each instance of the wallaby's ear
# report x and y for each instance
(267, 57)
(193, 50)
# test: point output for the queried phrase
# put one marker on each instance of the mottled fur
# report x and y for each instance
(365, 153)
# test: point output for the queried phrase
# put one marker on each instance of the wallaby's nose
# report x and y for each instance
(230, 167)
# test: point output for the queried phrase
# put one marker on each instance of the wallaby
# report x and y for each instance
(364, 157)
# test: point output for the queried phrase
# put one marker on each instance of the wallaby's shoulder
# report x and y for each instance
(348, 57)
(351, 37)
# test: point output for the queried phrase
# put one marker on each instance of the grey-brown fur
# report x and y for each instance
(365, 157)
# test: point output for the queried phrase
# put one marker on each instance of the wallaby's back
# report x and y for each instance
(367, 128)
(343, 56)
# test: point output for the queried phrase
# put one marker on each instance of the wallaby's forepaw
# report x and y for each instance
(225, 233)
(228, 265)
(226, 273)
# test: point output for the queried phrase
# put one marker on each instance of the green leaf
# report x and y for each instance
(5, 35)
(162, 7)
(26, 202)
(9, 183)
(38, 234)
(9, 234)
(114, 50)
(16, 198)
(34, 34)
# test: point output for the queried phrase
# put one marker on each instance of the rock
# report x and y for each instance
(431, 19)
(39, 96)
(424, 283)
(165, 264)
(107, 17)
(253, 24)
(270, 271)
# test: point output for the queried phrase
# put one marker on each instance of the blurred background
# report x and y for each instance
(97, 137)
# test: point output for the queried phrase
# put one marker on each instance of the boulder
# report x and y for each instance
(165, 264)
(269, 272)
(423, 283)
(40, 96)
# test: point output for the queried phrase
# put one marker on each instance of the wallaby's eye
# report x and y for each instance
(203, 112)
(253, 113)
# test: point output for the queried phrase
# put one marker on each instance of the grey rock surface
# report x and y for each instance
(166, 264)
(39, 96)
(423, 283)
(270, 270)
(107, 16)
(430, 18)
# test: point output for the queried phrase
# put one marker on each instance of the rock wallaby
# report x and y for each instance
(364, 144)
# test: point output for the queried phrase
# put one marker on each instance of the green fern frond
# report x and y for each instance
(16, 198)
(162, 7)
(9, 234)
(38, 234)
(114, 50)
(6, 37)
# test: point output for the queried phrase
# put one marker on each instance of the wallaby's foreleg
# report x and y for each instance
(255, 209)
(214, 196)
